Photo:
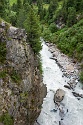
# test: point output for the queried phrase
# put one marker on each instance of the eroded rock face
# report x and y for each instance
(21, 88)
(59, 95)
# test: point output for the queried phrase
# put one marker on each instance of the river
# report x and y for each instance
(53, 78)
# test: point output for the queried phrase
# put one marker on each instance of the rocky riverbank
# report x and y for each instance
(70, 67)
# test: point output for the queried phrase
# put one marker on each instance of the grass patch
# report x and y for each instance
(15, 77)
(24, 96)
(45, 6)
(3, 74)
(40, 65)
(81, 76)
(12, 2)
(6, 119)
(3, 51)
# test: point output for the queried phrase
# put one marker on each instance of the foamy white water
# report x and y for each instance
(52, 77)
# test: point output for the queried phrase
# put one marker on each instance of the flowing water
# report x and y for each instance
(52, 77)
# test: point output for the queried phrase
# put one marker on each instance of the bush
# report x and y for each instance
(31, 24)
(6, 119)
(2, 74)
(47, 34)
(53, 27)
(70, 41)
(71, 16)
(81, 76)
(40, 65)
(15, 76)
(2, 52)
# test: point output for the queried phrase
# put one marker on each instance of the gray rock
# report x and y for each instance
(1, 123)
(59, 95)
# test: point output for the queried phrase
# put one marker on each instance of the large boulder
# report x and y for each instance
(59, 95)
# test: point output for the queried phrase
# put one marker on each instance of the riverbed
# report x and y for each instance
(53, 78)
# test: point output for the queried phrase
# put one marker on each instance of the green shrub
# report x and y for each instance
(6, 119)
(31, 25)
(53, 27)
(47, 34)
(15, 76)
(81, 76)
(70, 41)
(2, 52)
(71, 16)
(24, 96)
(2, 74)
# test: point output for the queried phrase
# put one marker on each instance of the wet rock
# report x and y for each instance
(53, 58)
(59, 95)
(61, 123)
(78, 98)
(66, 86)
(57, 103)
(36, 123)
(54, 110)
(77, 94)
(72, 84)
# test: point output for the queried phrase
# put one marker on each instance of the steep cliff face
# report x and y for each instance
(21, 87)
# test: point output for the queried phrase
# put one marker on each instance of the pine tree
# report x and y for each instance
(51, 10)
(40, 8)
(71, 16)
(81, 6)
(19, 5)
(31, 25)
(2, 7)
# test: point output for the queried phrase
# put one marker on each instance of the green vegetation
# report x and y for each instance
(2, 52)
(61, 22)
(81, 76)
(12, 2)
(6, 119)
(15, 76)
(3, 74)
(31, 25)
(40, 65)
(24, 96)
(71, 41)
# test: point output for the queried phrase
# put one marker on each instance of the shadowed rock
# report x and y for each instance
(66, 86)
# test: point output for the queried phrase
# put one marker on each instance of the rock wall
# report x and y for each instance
(21, 87)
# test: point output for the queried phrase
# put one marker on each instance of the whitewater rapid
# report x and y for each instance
(53, 78)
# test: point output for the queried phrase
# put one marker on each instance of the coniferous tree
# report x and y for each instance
(81, 6)
(51, 10)
(40, 8)
(31, 25)
(21, 18)
(19, 5)
(71, 16)
(2, 8)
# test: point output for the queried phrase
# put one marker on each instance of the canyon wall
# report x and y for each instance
(21, 86)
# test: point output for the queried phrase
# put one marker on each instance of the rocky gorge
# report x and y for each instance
(69, 66)
(63, 102)
(21, 86)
